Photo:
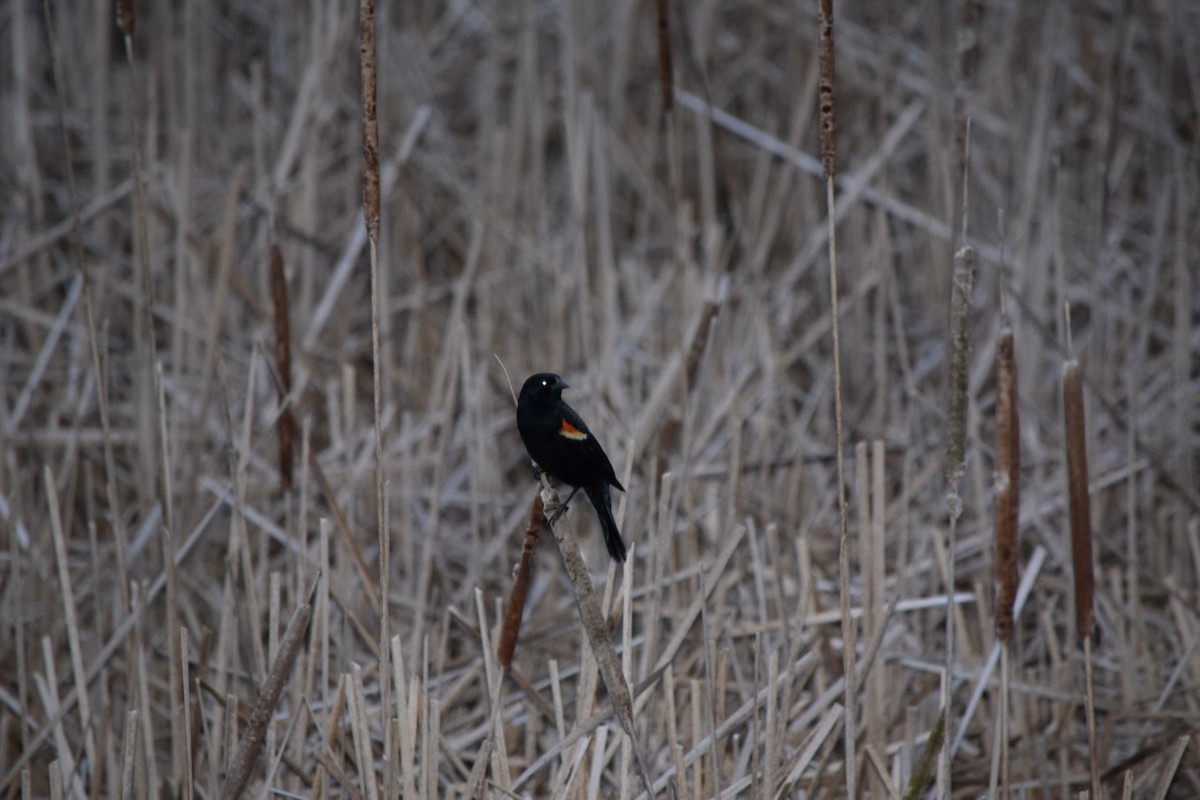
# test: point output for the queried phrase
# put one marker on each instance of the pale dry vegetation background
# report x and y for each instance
(538, 206)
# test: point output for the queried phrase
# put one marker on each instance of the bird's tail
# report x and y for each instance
(601, 497)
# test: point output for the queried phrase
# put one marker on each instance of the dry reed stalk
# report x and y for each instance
(333, 721)
(128, 753)
(130, 633)
(816, 739)
(371, 215)
(674, 749)
(25, 250)
(493, 751)
(286, 426)
(268, 696)
(773, 729)
(827, 107)
(683, 364)
(596, 627)
(560, 725)
(660, 558)
(596, 771)
(360, 730)
(144, 324)
(510, 630)
(431, 742)
(686, 620)
(698, 789)
(176, 664)
(881, 772)
(240, 551)
(142, 682)
(839, 719)
(71, 618)
(407, 704)
(733, 722)
(328, 762)
(47, 687)
(1036, 562)
(872, 567)
(710, 696)
(49, 347)
(625, 598)
(1166, 775)
(343, 528)
(828, 163)
(321, 634)
(273, 611)
(183, 726)
(968, 48)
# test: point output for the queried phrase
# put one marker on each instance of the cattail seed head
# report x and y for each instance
(1080, 506)
(1008, 490)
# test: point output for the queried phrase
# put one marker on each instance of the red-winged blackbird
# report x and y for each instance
(561, 444)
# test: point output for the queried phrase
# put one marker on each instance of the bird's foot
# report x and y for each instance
(563, 507)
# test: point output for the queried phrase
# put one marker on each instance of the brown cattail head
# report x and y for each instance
(283, 366)
(1077, 488)
(370, 123)
(962, 282)
(666, 79)
(828, 106)
(125, 17)
(1008, 489)
(510, 629)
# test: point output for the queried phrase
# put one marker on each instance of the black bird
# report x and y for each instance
(561, 444)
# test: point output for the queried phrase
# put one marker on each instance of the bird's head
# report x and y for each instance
(544, 387)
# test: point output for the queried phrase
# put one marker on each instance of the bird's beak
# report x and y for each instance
(560, 384)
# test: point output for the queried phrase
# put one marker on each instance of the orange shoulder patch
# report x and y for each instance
(571, 432)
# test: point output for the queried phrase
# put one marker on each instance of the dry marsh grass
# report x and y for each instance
(538, 204)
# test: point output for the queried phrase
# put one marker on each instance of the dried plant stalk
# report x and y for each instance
(264, 707)
(701, 332)
(1008, 490)
(596, 627)
(370, 136)
(286, 426)
(128, 753)
(968, 48)
(510, 629)
(827, 107)
(1077, 488)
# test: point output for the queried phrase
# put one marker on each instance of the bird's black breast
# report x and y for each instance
(561, 443)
